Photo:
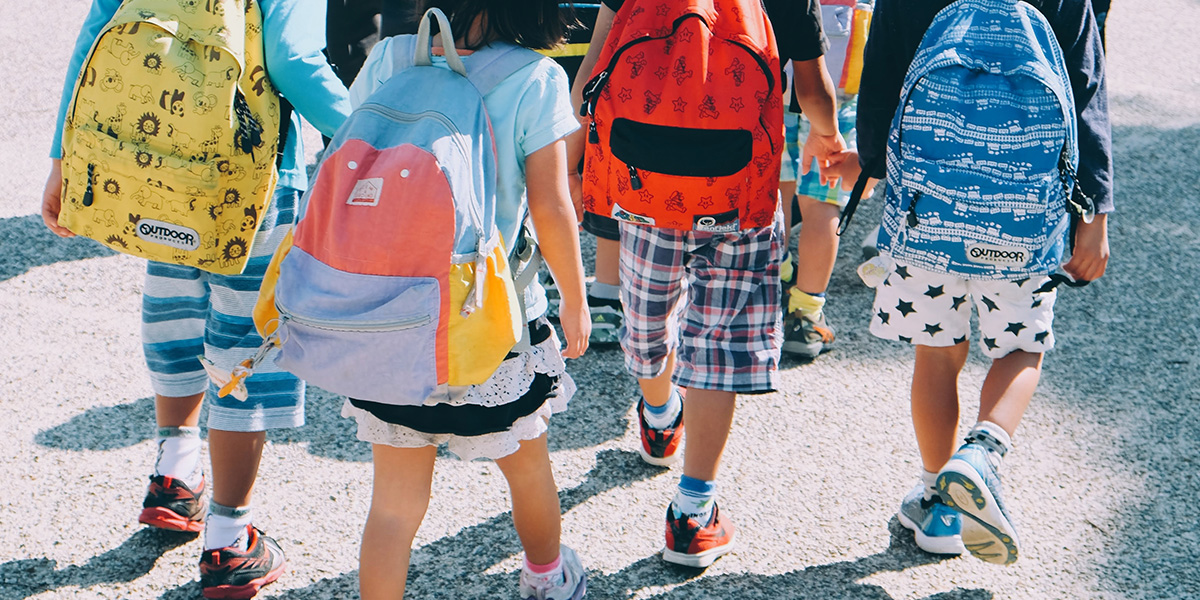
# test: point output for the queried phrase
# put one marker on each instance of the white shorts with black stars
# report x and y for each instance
(934, 309)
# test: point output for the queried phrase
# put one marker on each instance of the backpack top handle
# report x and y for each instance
(422, 58)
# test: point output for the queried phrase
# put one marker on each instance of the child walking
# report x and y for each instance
(504, 419)
(187, 312)
(806, 333)
(702, 319)
(957, 499)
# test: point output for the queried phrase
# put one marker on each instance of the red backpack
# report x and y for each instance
(686, 117)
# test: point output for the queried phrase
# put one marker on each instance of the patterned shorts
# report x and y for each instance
(187, 312)
(934, 309)
(712, 297)
(796, 128)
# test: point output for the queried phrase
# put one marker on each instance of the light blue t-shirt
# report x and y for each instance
(529, 110)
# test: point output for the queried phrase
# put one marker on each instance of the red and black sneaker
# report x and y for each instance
(170, 504)
(659, 447)
(691, 545)
(235, 574)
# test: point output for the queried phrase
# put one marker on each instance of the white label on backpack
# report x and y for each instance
(621, 214)
(168, 234)
(1001, 256)
(366, 192)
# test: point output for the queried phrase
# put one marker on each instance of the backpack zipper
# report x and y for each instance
(635, 181)
(911, 211)
(88, 196)
(360, 326)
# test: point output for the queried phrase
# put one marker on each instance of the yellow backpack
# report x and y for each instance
(172, 134)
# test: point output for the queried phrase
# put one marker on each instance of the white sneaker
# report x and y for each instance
(572, 587)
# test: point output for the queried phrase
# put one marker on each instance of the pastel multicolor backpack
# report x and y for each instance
(982, 151)
(398, 286)
(171, 136)
(686, 117)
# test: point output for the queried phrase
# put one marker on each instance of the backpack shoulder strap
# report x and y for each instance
(492, 64)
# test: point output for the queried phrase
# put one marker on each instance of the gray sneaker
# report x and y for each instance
(805, 336)
(573, 586)
(936, 527)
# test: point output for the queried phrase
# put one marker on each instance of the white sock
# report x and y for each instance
(929, 481)
(224, 526)
(661, 417)
(550, 575)
(996, 432)
(604, 291)
(179, 454)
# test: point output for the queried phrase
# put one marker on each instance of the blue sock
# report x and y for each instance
(694, 498)
(661, 417)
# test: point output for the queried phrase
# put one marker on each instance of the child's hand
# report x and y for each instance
(1090, 257)
(829, 150)
(52, 200)
(576, 321)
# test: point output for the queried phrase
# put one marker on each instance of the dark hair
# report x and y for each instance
(537, 24)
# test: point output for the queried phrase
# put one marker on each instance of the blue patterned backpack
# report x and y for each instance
(982, 150)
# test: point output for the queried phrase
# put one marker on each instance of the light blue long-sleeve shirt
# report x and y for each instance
(293, 36)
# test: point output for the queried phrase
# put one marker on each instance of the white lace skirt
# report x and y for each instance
(509, 383)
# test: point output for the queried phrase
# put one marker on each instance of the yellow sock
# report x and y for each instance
(787, 268)
(806, 304)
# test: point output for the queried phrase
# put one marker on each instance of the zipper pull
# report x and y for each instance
(913, 221)
(635, 181)
(88, 196)
(593, 136)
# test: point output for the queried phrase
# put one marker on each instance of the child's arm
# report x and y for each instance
(294, 37)
(558, 238)
(815, 92)
(99, 15)
(576, 141)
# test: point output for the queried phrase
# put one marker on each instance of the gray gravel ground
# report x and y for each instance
(1103, 478)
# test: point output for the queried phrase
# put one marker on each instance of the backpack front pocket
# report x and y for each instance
(364, 336)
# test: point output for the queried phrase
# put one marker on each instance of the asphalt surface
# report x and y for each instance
(1103, 478)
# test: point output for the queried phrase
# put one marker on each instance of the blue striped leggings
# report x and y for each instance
(187, 312)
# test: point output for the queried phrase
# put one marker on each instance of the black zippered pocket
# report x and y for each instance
(681, 151)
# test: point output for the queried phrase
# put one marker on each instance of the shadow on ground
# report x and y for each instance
(28, 244)
(329, 435)
(127, 562)
(454, 567)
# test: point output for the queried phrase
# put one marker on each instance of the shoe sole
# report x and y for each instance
(164, 518)
(665, 461)
(946, 545)
(987, 534)
(812, 350)
(245, 591)
(699, 560)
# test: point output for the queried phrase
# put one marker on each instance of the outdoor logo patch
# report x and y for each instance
(991, 254)
(366, 192)
(168, 234)
(726, 222)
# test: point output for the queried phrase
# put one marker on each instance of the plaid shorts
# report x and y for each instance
(714, 298)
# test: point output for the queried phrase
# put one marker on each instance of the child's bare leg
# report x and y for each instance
(1008, 388)
(657, 390)
(709, 415)
(399, 498)
(935, 402)
(537, 516)
(817, 246)
(608, 261)
(178, 411)
(235, 456)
